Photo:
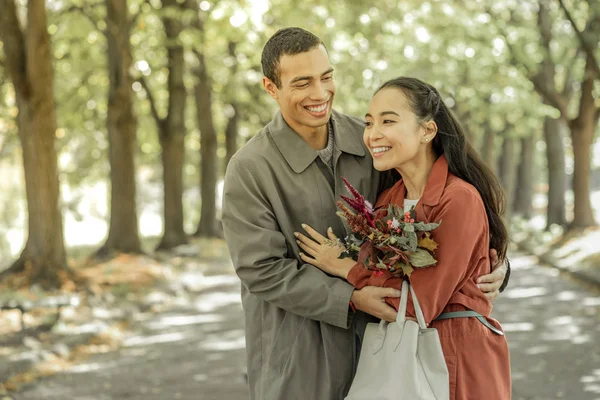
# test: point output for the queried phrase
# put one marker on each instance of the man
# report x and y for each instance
(300, 328)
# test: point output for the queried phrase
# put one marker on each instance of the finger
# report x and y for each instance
(308, 259)
(307, 241)
(493, 258)
(331, 235)
(389, 292)
(308, 250)
(389, 314)
(489, 287)
(493, 277)
(492, 295)
(314, 234)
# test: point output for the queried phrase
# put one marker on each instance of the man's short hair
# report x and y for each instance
(287, 41)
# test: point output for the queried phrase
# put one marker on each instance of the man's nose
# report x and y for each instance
(318, 91)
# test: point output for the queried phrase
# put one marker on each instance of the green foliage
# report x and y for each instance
(461, 47)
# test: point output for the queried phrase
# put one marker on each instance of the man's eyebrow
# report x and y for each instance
(309, 78)
(301, 78)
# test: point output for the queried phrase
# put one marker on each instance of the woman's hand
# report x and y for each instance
(324, 252)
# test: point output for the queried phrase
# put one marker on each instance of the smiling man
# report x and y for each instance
(300, 339)
(300, 328)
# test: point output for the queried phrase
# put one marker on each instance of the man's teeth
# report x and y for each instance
(317, 109)
(380, 149)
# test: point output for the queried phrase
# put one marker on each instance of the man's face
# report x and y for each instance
(307, 89)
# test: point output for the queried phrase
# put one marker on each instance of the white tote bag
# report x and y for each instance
(402, 360)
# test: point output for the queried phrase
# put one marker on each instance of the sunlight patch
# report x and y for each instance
(147, 340)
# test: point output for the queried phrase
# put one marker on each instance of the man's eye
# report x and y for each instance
(368, 124)
(327, 78)
(302, 86)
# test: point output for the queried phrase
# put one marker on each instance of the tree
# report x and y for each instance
(583, 125)
(523, 203)
(232, 128)
(208, 224)
(29, 65)
(507, 171)
(171, 129)
(121, 125)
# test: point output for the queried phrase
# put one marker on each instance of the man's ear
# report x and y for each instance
(270, 87)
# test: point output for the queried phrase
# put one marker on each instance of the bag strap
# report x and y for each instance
(470, 314)
(418, 311)
(401, 318)
(403, 300)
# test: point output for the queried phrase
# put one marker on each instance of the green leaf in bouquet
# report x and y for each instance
(380, 225)
(423, 227)
(397, 240)
(408, 228)
(413, 241)
(421, 258)
(390, 211)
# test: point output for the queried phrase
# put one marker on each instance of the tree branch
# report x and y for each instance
(12, 36)
(587, 47)
(159, 121)
(568, 87)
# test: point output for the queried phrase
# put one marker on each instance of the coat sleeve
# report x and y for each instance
(260, 256)
(463, 239)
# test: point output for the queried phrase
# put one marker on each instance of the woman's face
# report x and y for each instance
(393, 133)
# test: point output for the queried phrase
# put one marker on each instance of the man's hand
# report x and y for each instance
(371, 299)
(490, 284)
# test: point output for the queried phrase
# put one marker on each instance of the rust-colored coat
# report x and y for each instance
(477, 359)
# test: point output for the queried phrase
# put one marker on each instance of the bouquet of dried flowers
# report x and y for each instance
(386, 241)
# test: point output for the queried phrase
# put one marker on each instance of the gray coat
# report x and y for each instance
(300, 338)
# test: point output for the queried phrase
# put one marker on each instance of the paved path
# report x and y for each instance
(196, 352)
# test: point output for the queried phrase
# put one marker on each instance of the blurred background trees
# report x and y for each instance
(121, 115)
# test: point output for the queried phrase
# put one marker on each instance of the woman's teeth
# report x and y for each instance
(378, 150)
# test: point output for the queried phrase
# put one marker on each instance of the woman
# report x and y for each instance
(410, 130)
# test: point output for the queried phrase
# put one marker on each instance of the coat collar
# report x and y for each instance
(298, 154)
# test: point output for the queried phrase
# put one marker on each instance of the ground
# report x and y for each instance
(194, 349)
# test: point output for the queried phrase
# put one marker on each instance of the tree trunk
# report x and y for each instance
(121, 125)
(557, 178)
(507, 173)
(524, 188)
(232, 129)
(29, 64)
(208, 225)
(173, 135)
(487, 148)
(582, 136)
(231, 133)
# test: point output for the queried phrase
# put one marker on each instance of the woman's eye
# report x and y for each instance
(388, 121)
(368, 124)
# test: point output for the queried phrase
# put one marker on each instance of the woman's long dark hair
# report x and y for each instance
(463, 160)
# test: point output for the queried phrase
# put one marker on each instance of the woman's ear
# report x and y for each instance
(430, 131)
